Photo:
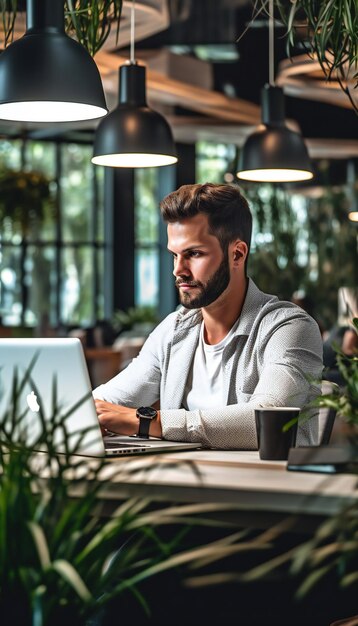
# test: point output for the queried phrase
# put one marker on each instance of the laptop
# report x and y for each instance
(53, 388)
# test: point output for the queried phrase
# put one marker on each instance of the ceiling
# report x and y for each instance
(220, 23)
(212, 90)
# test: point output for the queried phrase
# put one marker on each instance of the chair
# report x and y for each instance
(129, 348)
(326, 416)
(103, 363)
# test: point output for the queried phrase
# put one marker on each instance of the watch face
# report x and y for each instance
(147, 411)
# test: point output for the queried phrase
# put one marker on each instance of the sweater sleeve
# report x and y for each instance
(139, 383)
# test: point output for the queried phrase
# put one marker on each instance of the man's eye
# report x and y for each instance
(194, 253)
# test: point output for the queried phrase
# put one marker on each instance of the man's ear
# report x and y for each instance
(239, 252)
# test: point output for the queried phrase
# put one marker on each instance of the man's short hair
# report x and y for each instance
(228, 212)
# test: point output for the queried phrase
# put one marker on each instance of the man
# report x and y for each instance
(229, 349)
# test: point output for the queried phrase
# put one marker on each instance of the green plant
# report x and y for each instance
(303, 243)
(328, 30)
(61, 559)
(126, 320)
(332, 250)
(331, 29)
(25, 197)
(334, 546)
(333, 549)
(274, 261)
(345, 401)
(89, 21)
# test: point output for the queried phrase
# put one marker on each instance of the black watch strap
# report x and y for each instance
(145, 415)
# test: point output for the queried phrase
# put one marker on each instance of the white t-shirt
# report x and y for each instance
(204, 387)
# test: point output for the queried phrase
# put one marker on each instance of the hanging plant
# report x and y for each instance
(328, 30)
(331, 30)
(88, 21)
(91, 21)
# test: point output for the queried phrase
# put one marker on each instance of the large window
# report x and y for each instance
(53, 249)
(51, 245)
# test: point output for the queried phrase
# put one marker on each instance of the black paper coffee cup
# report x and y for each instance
(274, 442)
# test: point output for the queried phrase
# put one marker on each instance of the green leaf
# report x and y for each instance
(39, 538)
(312, 579)
(37, 604)
(264, 569)
(349, 579)
(91, 21)
(332, 27)
(72, 577)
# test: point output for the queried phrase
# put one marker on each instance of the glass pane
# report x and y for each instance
(28, 206)
(146, 277)
(100, 283)
(10, 153)
(40, 283)
(27, 197)
(11, 230)
(99, 204)
(215, 162)
(35, 268)
(77, 193)
(77, 291)
(10, 285)
(146, 206)
(41, 157)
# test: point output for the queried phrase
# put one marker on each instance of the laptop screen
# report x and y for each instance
(53, 384)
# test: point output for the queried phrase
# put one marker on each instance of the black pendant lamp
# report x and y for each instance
(274, 153)
(45, 76)
(133, 135)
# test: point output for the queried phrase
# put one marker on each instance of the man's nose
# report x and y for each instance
(180, 268)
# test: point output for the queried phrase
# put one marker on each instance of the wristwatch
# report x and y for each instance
(145, 415)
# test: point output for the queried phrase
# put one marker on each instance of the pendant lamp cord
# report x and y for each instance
(271, 45)
(132, 55)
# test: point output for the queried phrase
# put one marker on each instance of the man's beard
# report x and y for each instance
(210, 291)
